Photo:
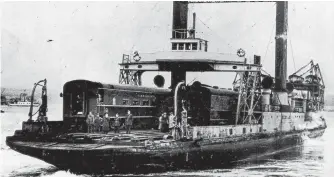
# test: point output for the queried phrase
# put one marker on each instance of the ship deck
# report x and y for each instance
(123, 133)
(135, 135)
(96, 141)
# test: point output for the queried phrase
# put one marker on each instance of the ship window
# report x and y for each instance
(200, 46)
(181, 46)
(231, 131)
(188, 46)
(135, 102)
(244, 130)
(174, 46)
(250, 130)
(146, 103)
(194, 46)
(125, 102)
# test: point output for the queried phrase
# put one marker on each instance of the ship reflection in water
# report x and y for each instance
(314, 158)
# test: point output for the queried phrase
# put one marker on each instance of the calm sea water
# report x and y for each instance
(314, 158)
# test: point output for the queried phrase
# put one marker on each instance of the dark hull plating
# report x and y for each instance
(115, 159)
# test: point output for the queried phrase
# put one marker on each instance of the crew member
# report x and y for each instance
(163, 122)
(43, 119)
(117, 123)
(128, 122)
(100, 123)
(159, 126)
(90, 122)
(96, 123)
(105, 124)
(171, 124)
(106, 112)
(184, 122)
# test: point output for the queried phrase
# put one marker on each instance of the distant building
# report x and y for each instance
(3, 100)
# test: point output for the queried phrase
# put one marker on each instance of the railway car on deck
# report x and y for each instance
(210, 105)
(82, 96)
(206, 105)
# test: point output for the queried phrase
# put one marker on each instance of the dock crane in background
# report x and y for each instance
(309, 78)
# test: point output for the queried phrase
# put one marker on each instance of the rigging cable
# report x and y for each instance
(259, 22)
(293, 57)
(218, 33)
(271, 35)
(212, 30)
(208, 27)
(265, 72)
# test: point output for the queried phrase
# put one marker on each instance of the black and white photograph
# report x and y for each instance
(167, 88)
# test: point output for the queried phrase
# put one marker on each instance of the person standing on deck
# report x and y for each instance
(163, 122)
(184, 120)
(160, 119)
(184, 123)
(90, 122)
(105, 124)
(117, 123)
(100, 123)
(128, 122)
(106, 113)
(96, 122)
(171, 124)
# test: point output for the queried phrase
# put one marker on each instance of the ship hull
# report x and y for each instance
(99, 158)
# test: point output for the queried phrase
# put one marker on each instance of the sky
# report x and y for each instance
(87, 39)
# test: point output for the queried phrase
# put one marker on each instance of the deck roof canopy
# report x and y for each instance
(190, 61)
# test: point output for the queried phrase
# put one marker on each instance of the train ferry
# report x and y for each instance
(212, 127)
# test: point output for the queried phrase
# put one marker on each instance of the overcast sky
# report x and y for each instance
(89, 38)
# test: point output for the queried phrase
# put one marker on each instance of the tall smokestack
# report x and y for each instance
(281, 95)
(180, 18)
(194, 25)
(281, 45)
